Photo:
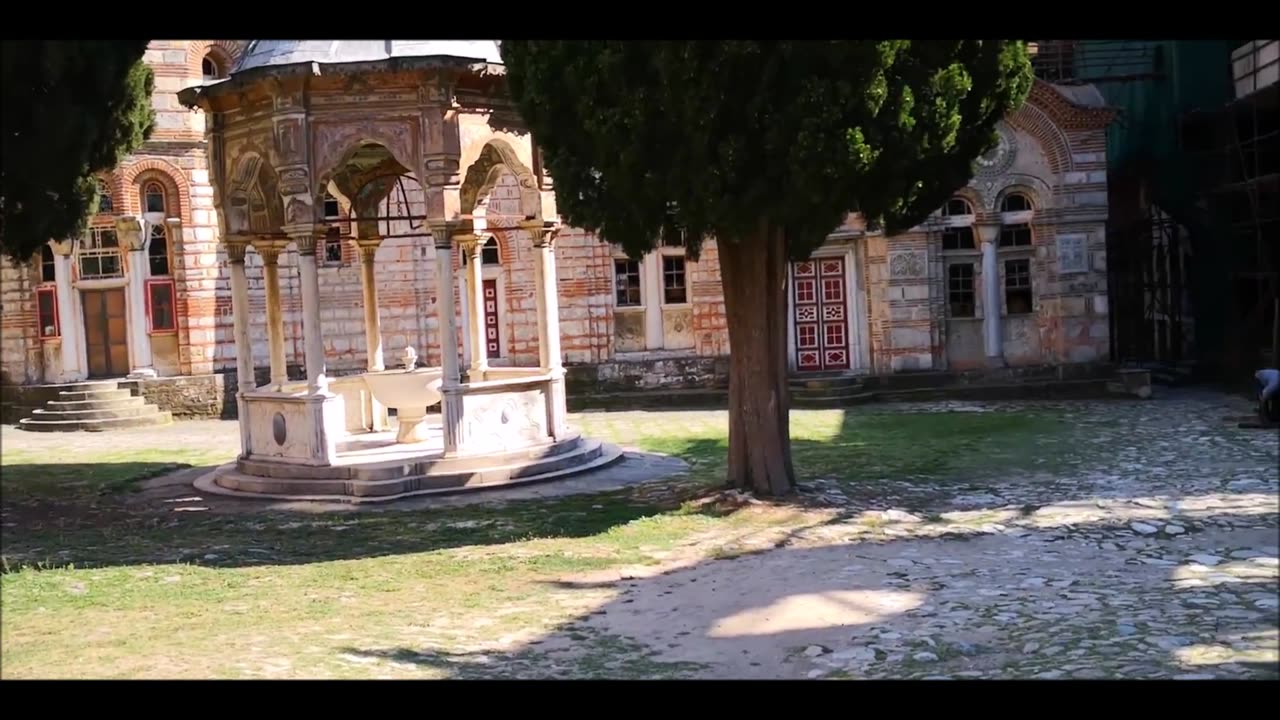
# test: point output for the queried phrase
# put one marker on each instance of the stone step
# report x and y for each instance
(129, 411)
(113, 394)
(76, 405)
(650, 399)
(90, 385)
(153, 420)
(590, 455)
(400, 469)
(806, 393)
(833, 401)
(1063, 389)
(798, 382)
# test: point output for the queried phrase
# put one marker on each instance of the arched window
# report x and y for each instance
(105, 204)
(1015, 234)
(958, 236)
(153, 198)
(331, 208)
(210, 68)
(1015, 202)
(47, 264)
(957, 206)
(158, 250)
(489, 254)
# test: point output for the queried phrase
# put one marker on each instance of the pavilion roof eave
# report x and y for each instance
(191, 96)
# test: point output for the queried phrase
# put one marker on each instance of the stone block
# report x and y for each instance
(1090, 199)
(906, 337)
(1074, 306)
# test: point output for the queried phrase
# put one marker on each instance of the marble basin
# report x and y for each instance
(410, 392)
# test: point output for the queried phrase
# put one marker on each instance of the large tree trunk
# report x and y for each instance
(754, 276)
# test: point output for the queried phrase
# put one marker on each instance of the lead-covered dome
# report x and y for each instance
(274, 53)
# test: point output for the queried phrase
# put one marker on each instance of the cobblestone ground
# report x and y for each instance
(1149, 549)
(1143, 544)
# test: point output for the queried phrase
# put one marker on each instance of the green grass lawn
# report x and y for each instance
(162, 594)
(31, 476)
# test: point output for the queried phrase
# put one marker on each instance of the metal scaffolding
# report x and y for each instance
(1070, 62)
(1236, 153)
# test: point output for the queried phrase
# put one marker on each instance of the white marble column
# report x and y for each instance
(446, 312)
(372, 324)
(548, 299)
(477, 332)
(275, 313)
(993, 343)
(131, 234)
(240, 325)
(66, 313)
(313, 341)
(548, 309)
(651, 280)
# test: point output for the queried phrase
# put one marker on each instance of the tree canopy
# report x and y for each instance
(717, 135)
(765, 146)
(72, 108)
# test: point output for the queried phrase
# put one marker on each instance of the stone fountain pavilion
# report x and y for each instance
(297, 122)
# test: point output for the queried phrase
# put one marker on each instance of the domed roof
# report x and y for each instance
(268, 53)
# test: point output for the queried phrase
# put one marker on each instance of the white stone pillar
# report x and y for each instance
(66, 312)
(130, 232)
(451, 397)
(275, 314)
(372, 324)
(548, 309)
(651, 280)
(548, 299)
(244, 350)
(993, 342)
(477, 331)
(313, 342)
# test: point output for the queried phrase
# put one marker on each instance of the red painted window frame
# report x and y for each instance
(173, 293)
(57, 319)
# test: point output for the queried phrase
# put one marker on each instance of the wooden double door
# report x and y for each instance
(820, 297)
(106, 328)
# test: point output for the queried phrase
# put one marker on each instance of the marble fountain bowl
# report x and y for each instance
(410, 392)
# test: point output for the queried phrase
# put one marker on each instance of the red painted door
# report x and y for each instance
(819, 294)
(493, 348)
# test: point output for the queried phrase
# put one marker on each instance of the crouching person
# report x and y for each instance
(1269, 397)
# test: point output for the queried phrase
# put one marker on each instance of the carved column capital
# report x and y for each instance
(442, 233)
(367, 248)
(987, 232)
(129, 232)
(469, 243)
(236, 250)
(304, 235)
(543, 233)
(269, 251)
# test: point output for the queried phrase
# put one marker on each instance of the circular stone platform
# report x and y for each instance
(381, 479)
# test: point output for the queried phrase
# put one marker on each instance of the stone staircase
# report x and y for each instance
(837, 389)
(95, 406)
(828, 390)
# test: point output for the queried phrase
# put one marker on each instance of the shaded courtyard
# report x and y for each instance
(1053, 540)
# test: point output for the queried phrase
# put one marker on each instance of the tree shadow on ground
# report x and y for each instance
(883, 458)
(110, 530)
(996, 606)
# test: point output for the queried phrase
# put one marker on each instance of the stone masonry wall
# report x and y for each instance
(1054, 153)
(1058, 159)
(21, 358)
